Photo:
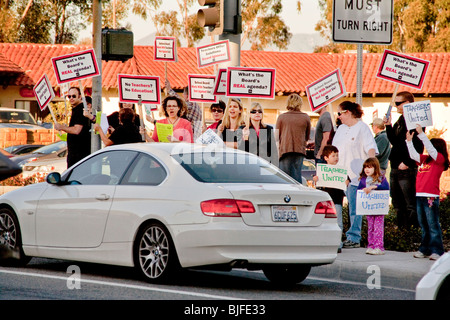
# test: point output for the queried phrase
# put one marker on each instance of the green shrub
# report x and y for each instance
(408, 240)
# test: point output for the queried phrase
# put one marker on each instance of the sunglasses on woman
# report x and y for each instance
(341, 112)
(256, 111)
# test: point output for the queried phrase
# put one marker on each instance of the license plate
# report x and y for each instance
(284, 214)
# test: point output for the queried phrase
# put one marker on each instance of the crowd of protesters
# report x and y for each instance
(345, 141)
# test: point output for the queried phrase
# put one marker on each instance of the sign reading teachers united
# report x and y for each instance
(331, 176)
(418, 113)
(375, 202)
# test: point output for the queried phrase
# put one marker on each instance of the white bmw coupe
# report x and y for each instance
(163, 207)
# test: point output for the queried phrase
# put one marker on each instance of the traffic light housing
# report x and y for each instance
(211, 17)
(117, 44)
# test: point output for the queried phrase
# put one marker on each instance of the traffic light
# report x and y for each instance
(212, 16)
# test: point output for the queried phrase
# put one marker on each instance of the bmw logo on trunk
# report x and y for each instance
(287, 198)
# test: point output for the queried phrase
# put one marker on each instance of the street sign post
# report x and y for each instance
(367, 22)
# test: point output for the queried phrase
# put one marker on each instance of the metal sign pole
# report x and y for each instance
(359, 74)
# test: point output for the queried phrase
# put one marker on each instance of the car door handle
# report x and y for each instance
(102, 197)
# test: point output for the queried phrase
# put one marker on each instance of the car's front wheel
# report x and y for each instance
(154, 253)
(287, 274)
(11, 252)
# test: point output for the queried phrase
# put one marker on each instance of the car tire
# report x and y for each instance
(11, 251)
(287, 274)
(155, 257)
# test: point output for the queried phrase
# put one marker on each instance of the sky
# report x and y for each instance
(298, 23)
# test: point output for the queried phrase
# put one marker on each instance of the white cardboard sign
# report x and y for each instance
(325, 90)
(403, 69)
(165, 49)
(220, 85)
(135, 89)
(43, 92)
(374, 203)
(251, 82)
(331, 176)
(215, 53)
(418, 113)
(201, 88)
(75, 66)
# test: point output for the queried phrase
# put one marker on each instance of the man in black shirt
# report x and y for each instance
(78, 135)
(403, 168)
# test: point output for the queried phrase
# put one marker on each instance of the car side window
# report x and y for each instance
(106, 168)
(146, 170)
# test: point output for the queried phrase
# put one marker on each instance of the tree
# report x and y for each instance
(419, 25)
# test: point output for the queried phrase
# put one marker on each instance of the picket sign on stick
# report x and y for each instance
(141, 117)
(82, 95)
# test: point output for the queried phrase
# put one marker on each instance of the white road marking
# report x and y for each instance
(128, 286)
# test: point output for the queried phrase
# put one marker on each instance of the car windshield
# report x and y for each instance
(16, 117)
(54, 147)
(227, 167)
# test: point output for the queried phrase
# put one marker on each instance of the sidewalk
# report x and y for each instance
(397, 269)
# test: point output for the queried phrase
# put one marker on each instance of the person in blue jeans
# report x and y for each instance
(355, 143)
(430, 169)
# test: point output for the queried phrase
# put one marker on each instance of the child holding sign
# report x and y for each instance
(331, 155)
(427, 191)
(372, 179)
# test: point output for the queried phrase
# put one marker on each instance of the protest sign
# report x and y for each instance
(325, 90)
(251, 82)
(165, 49)
(75, 66)
(403, 69)
(331, 176)
(201, 88)
(417, 113)
(209, 137)
(139, 89)
(163, 131)
(102, 120)
(215, 53)
(374, 203)
(220, 83)
(43, 92)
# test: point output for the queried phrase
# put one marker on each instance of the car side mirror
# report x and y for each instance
(54, 178)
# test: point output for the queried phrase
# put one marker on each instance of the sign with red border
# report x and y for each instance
(251, 82)
(325, 90)
(75, 66)
(220, 84)
(139, 89)
(403, 69)
(43, 92)
(215, 53)
(165, 49)
(201, 88)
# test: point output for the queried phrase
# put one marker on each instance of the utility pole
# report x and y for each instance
(97, 81)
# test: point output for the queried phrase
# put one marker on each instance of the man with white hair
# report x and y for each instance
(383, 144)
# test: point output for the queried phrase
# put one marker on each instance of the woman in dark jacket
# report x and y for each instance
(259, 138)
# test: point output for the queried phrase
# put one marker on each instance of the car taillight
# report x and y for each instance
(226, 207)
(327, 208)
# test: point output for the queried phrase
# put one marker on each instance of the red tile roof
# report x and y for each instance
(294, 71)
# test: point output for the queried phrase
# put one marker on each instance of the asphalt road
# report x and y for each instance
(46, 279)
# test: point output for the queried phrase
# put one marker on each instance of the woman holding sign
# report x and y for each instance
(258, 138)
(173, 128)
(233, 118)
(355, 143)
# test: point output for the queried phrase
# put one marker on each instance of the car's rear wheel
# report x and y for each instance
(287, 274)
(11, 252)
(154, 253)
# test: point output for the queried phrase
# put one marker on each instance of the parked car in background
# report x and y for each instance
(161, 207)
(23, 148)
(17, 118)
(53, 162)
(435, 285)
(55, 147)
(7, 169)
(6, 153)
